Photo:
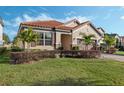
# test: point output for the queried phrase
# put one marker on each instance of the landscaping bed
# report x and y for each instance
(27, 56)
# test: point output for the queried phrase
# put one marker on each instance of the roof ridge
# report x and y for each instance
(41, 21)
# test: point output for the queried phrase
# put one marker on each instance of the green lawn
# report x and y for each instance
(64, 71)
(120, 53)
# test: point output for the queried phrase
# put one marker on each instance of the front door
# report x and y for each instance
(66, 41)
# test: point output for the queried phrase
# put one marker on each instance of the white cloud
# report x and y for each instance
(17, 21)
(79, 18)
(12, 32)
(122, 17)
(70, 13)
(13, 24)
(33, 11)
(25, 17)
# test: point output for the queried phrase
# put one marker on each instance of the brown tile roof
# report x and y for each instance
(64, 27)
(56, 25)
(46, 24)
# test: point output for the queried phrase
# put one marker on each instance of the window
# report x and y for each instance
(79, 41)
(45, 38)
(48, 38)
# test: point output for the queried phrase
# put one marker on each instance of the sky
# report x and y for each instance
(111, 19)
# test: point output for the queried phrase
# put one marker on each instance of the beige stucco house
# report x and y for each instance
(122, 41)
(55, 34)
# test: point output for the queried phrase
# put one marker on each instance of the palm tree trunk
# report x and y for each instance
(28, 46)
(87, 47)
(23, 44)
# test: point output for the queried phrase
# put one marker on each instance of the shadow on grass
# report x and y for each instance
(70, 82)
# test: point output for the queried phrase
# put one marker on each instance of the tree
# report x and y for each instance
(109, 41)
(27, 36)
(6, 39)
(15, 41)
(87, 39)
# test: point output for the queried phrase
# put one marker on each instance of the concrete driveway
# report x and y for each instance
(113, 57)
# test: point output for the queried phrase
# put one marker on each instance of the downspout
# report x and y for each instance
(71, 39)
(54, 38)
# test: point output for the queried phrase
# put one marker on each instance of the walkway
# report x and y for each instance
(113, 57)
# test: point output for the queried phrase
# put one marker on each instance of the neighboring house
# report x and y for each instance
(102, 32)
(54, 34)
(1, 31)
(118, 39)
(122, 41)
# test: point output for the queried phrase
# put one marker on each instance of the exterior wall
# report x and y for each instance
(1, 34)
(122, 41)
(119, 40)
(43, 47)
(100, 30)
(88, 30)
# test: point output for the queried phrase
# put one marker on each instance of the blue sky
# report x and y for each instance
(109, 18)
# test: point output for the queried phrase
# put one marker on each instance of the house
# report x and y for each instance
(55, 34)
(118, 39)
(122, 41)
(1, 31)
(102, 32)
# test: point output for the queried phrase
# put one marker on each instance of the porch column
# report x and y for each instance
(57, 40)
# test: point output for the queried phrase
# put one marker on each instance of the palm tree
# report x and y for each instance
(15, 41)
(27, 36)
(109, 41)
(87, 39)
(6, 39)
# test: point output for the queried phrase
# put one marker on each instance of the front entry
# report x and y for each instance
(66, 41)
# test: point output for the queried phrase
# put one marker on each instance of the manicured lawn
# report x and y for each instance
(64, 71)
(120, 53)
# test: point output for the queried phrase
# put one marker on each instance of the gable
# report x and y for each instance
(86, 29)
(102, 32)
(72, 23)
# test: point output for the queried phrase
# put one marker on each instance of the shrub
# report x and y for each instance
(60, 48)
(81, 54)
(16, 49)
(75, 48)
(3, 50)
(25, 57)
(111, 50)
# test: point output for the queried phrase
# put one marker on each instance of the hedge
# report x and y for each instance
(4, 51)
(26, 57)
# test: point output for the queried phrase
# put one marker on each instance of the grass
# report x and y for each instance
(120, 53)
(4, 59)
(64, 71)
